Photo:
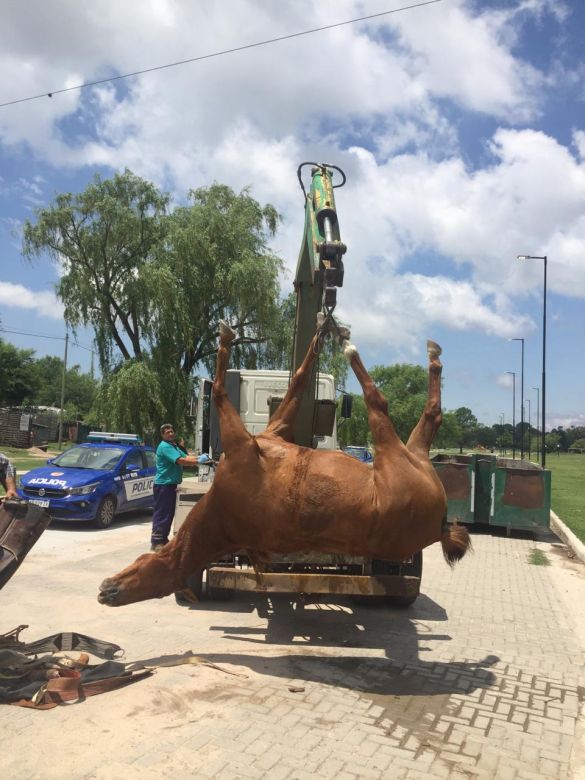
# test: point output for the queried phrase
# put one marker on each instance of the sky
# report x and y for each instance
(460, 126)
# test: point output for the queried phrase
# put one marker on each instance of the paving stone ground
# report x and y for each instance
(482, 677)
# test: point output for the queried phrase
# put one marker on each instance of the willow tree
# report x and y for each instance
(214, 264)
(101, 239)
(154, 283)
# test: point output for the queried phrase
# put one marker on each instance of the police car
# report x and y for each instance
(109, 474)
(361, 453)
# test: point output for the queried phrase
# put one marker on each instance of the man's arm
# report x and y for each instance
(187, 460)
(8, 477)
(10, 487)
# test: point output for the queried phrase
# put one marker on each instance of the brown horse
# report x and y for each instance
(274, 496)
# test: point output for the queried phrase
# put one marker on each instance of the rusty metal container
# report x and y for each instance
(520, 495)
(484, 489)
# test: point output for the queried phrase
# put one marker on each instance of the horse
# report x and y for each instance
(272, 496)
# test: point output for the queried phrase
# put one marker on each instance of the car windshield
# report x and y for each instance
(102, 458)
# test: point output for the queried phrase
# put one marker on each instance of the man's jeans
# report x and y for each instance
(165, 497)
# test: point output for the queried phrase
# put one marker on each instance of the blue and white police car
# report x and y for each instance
(109, 474)
(361, 453)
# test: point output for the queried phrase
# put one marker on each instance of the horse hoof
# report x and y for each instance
(433, 349)
(225, 332)
(349, 350)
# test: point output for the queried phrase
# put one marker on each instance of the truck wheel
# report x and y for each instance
(105, 514)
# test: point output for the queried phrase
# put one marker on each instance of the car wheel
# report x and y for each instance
(105, 514)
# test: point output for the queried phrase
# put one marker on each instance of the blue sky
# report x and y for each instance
(460, 126)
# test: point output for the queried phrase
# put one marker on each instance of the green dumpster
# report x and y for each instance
(520, 495)
(457, 473)
(496, 491)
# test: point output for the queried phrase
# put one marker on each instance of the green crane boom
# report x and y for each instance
(319, 273)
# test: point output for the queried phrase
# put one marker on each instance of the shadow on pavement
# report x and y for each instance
(308, 626)
(134, 517)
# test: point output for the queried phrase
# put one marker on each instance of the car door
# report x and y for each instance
(137, 480)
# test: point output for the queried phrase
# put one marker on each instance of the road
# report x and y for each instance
(483, 676)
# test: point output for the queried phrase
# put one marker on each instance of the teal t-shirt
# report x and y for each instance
(168, 472)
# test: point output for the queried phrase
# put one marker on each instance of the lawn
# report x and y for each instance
(568, 490)
(22, 460)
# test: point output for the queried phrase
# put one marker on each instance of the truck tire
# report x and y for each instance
(105, 515)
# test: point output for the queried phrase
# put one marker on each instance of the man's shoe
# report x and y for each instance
(156, 547)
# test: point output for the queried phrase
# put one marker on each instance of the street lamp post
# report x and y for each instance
(513, 412)
(529, 442)
(542, 448)
(537, 411)
(521, 401)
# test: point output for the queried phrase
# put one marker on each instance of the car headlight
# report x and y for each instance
(83, 491)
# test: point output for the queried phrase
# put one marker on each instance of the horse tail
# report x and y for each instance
(455, 541)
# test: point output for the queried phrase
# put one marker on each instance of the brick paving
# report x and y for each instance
(482, 677)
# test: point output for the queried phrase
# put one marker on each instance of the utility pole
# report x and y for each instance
(529, 440)
(513, 412)
(537, 415)
(63, 390)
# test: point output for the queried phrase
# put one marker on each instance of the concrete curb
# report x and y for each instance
(568, 537)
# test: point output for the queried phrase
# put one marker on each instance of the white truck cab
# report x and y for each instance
(256, 394)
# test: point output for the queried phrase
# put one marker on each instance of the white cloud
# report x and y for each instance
(249, 118)
(18, 296)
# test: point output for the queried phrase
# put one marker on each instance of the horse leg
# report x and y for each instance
(282, 422)
(384, 436)
(422, 436)
(233, 431)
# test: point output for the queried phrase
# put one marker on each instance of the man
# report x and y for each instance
(7, 476)
(170, 459)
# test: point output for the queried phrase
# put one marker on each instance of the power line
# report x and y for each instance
(218, 53)
(44, 336)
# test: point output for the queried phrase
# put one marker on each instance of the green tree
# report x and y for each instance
(552, 442)
(18, 382)
(154, 285)
(467, 423)
(405, 388)
(449, 433)
(80, 389)
(101, 239)
(574, 433)
(355, 429)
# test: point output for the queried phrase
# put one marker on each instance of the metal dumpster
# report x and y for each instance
(467, 483)
(520, 495)
(496, 491)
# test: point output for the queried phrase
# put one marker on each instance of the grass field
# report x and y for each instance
(568, 490)
(22, 460)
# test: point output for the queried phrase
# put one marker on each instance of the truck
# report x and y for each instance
(256, 394)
